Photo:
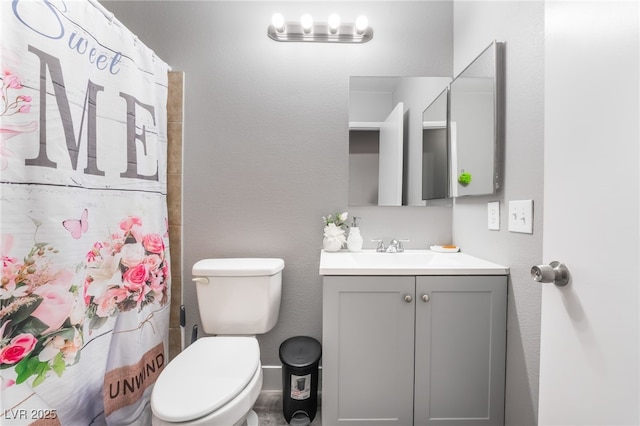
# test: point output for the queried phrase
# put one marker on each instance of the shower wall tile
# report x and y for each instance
(175, 103)
(175, 234)
(174, 150)
(174, 199)
(176, 301)
(175, 131)
(175, 342)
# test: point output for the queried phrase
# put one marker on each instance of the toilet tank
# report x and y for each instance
(239, 296)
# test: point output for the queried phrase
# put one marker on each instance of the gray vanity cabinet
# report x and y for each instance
(460, 350)
(406, 350)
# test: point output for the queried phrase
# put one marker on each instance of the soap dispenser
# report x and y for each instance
(354, 240)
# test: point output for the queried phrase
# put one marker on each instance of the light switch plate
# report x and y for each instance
(493, 215)
(521, 216)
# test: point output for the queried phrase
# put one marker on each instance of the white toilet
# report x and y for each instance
(216, 380)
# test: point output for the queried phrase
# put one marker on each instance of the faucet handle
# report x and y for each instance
(400, 246)
(380, 247)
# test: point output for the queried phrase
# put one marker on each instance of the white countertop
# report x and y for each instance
(410, 262)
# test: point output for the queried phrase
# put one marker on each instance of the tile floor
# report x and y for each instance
(269, 410)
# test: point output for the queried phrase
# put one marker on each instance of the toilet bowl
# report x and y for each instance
(213, 382)
(216, 381)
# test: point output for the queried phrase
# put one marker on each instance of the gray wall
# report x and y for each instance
(521, 26)
(265, 136)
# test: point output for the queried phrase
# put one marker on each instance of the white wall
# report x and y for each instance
(521, 26)
(266, 138)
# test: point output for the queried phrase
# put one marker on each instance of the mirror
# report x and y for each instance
(381, 108)
(435, 149)
(476, 124)
(450, 141)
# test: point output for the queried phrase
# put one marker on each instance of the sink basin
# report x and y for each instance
(410, 262)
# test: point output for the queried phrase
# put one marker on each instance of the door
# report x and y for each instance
(390, 163)
(589, 351)
(460, 350)
(367, 338)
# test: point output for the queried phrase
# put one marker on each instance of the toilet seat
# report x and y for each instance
(204, 377)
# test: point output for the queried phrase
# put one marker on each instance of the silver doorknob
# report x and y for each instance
(425, 298)
(408, 298)
(555, 272)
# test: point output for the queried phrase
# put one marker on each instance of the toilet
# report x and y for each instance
(216, 380)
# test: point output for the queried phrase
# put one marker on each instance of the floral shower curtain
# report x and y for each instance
(84, 296)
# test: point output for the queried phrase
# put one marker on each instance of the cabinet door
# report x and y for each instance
(368, 347)
(460, 350)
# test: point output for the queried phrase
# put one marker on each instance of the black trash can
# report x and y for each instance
(300, 358)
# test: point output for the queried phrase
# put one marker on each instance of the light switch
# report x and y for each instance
(493, 215)
(521, 216)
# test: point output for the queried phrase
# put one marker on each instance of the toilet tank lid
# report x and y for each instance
(236, 267)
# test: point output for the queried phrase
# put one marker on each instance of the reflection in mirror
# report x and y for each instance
(371, 104)
(476, 115)
(435, 149)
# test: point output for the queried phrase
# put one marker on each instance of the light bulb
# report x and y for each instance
(307, 23)
(278, 22)
(361, 24)
(334, 23)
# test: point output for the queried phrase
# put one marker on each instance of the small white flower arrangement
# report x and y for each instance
(334, 232)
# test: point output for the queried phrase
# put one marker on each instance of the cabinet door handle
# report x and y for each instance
(425, 298)
(408, 298)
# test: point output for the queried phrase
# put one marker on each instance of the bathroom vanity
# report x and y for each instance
(413, 338)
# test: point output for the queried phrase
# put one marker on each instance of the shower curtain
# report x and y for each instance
(84, 296)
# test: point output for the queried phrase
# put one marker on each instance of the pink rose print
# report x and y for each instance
(136, 277)
(19, 347)
(140, 278)
(56, 306)
(108, 303)
(153, 243)
(153, 262)
(31, 289)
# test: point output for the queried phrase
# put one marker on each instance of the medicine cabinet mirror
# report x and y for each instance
(385, 138)
(476, 124)
(413, 139)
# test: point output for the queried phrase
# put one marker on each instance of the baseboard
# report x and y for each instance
(272, 378)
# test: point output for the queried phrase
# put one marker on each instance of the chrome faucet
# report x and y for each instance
(395, 246)
(380, 248)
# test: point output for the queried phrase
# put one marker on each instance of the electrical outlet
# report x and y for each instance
(493, 215)
(521, 216)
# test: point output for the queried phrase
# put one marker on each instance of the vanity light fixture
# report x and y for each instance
(362, 23)
(277, 21)
(334, 23)
(332, 31)
(307, 23)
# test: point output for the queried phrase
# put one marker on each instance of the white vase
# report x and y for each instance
(331, 244)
